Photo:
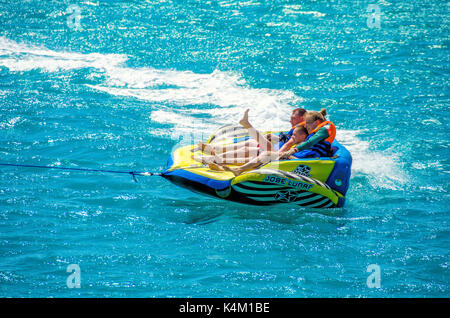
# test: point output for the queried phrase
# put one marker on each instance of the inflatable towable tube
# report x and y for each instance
(312, 182)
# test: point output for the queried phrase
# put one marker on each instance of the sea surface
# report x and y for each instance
(119, 84)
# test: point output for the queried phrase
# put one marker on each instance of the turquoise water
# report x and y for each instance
(118, 84)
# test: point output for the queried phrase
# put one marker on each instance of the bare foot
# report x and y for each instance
(215, 166)
(235, 171)
(244, 121)
(223, 167)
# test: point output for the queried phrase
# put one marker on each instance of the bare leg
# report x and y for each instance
(231, 154)
(241, 155)
(215, 166)
(204, 159)
(263, 158)
(263, 142)
(204, 147)
(217, 149)
(233, 160)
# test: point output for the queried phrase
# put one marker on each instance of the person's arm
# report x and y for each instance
(287, 145)
(320, 135)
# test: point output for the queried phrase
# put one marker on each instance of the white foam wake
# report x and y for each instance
(382, 169)
(22, 57)
(226, 94)
(223, 96)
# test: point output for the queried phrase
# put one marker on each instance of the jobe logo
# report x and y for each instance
(285, 195)
(303, 170)
(288, 182)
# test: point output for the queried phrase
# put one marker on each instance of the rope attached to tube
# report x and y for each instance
(132, 173)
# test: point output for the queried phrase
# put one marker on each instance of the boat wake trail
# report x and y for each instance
(187, 99)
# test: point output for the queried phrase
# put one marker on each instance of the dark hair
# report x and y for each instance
(299, 111)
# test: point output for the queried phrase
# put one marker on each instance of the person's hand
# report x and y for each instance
(283, 155)
(291, 151)
(287, 154)
(269, 137)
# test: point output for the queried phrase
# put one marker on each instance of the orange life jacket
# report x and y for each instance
(303, 123)
(331, 130)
